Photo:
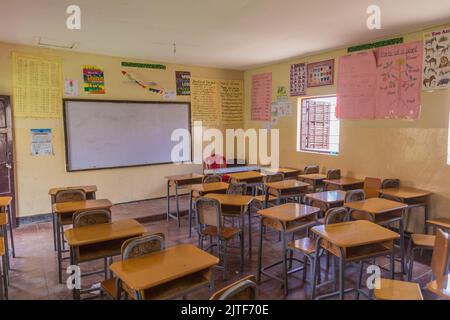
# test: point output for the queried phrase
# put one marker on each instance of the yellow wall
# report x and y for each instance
(413, 151)
(35, 175)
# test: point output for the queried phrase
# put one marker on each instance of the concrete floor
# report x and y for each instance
(34, 274)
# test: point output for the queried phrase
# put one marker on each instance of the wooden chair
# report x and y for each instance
(390, 183)
(371, 185)
(231, 212)
(355, 195)
(3, 272)
(237, 188)
(210, 224)
(333, 174)
(212, 178)
(307, 245)
(418, 242)
(402, 290)
(310, 169)
(132, 248)
(244, 289)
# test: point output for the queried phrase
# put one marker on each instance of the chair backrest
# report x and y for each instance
(371, 185)
(212, 178)
(336, 215)
(333, 174)
(317, 204)
(237, 188)
(355, 195)
(244, 289)
(208, 213)
(89, 217)
(70, 195)
(440, 258)
(145, 244)
(311, 169)
(390, 183)
(274, 177)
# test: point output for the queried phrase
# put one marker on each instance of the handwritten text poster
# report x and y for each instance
(262, 97)
(399, 81)
(356, 86)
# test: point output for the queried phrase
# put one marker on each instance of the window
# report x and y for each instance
(318, 128)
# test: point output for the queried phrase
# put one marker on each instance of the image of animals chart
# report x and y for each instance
(436, 59)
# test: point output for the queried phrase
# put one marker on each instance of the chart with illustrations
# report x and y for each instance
(320, 73)
(436, 59)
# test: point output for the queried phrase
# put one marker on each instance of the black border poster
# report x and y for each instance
(183, 79)
(298, 79)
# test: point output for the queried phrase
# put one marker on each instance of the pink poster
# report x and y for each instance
(399, 81)
(262, 97)
(356, 86)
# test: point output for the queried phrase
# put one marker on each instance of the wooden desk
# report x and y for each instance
(243, 204)
(353, 241)
(382, 211)
(285, 189)
(228, 170)
(6, 223)
(166, 267)
(100, 241)
(179, 182)
(63, 212)
(345, 183)
(440, 287)
(330, 199)
(315, 179)
(247, 177)
(287, 219)
(289, 173)
(412, 197)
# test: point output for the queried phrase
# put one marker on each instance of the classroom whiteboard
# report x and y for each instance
(110, 134)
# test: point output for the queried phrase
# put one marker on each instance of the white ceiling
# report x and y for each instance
(235, 34)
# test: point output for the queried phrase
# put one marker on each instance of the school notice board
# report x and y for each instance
(217, 102)
(37, 86)
(261, 108)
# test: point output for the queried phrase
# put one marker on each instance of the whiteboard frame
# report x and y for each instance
(65, 105)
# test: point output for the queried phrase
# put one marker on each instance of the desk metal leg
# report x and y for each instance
(285, 272)
(341, 275)
(6, 244)
(58, 249)
(260, 248)
(190, 214)
(392, 263)
(249, 210)
(168, 200)
(178, 206)
(402, 244)
(243, 225)
(316, 269)
(425, 225)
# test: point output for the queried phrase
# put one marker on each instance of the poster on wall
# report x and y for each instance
(399, 81)
(356, 86)
(71, 87)
(183, 82)
(320, 73)
(298, 79)
(41, 142)
(436, 59)
(261, 107)
(94, 80)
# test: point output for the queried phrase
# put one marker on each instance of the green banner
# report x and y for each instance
(143, 65)
(378, 44)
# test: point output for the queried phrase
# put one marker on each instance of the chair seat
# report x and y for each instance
(398, 290)
(434, 287)
(423, 240)
(226, 232)
(2, 246)
(109, 287)
(304, 245)
(440, 222)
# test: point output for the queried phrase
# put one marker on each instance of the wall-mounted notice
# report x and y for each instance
(183, 81)
(436, 59)
(356, 86)
(320, 73)
(399, 81)
(94, 80)
(169, 95)
(41, 142)
(262, 97)
(37, 86)
(298, 79)
(217, 102)
(71, 87)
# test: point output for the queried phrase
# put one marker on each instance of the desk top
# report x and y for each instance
(286, 184)
(440, 286)
(184, 177)
(5, 201)
(328, 196)
(72, 206)
(285, 170)
(103, 232)
(354, 233)
(289, 212)
(231, 170)
(404, 192)
(161, 267)
(376, 205)
(247, 175)
(344, 181)
(231, 199)
(209, 187)
(313, 176)
(86, 189)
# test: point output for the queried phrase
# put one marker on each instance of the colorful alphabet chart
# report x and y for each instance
(298, 79)
(320, 73)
